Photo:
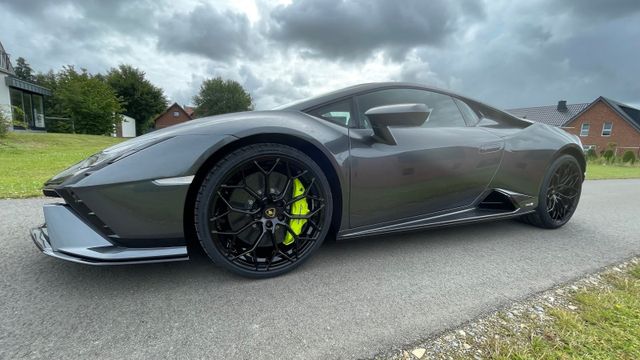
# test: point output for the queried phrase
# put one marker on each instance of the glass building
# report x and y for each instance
(20, 99)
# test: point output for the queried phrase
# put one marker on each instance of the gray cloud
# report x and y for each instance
(506, 53)
(545, 55)
(596, 9)
(338, 29)
(82, 33)
(217, 35)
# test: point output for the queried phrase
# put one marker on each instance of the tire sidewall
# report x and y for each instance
(541, 211)
(219, 172)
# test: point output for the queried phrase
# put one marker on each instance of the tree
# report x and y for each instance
(53, 110)
(219, 96)
(49, 81)
(23, 69)
(141, 99)
(90, 103)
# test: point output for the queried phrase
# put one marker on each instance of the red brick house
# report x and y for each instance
(598, 124)
(175, 114)
(190, 110)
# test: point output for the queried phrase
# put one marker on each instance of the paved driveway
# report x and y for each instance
(351, 300)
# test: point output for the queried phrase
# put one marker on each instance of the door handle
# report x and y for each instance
(490, 147)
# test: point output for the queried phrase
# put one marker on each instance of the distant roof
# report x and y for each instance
(189, 110)
(631, 114)
(175, 105)
(5, 61)
(549, 114)
(15, 82)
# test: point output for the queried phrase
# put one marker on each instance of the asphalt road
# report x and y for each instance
(353, 299)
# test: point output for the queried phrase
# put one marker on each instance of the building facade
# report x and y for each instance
(175, 114)
(21, 100)
(601, 124)
(126, 128)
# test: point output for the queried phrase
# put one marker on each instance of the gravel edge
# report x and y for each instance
(470, 339)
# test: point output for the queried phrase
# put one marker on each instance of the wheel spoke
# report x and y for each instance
(239, 222)
(217, 217)
(233, 209)
(563, 192)
(253, 248)
(303, 195)
(235, 233)
(306, 216)
(243, 186)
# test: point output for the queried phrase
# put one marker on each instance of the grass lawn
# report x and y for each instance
(27, 160)
(606, 325)
(599, 172)
(597, 317)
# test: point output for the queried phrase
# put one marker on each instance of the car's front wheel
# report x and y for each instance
(263, 210)
(559, 194)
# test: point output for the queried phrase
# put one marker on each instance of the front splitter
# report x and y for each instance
(65, 236)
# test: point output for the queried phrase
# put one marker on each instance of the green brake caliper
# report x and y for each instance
(298, 208)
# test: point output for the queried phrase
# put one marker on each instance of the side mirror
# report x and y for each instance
(403, 115)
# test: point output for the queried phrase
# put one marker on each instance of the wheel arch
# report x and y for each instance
(575, 151)
(307, 147)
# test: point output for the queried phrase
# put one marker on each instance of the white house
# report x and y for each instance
(27, 96)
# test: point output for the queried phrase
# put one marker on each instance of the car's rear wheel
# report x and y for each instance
(263, 210)
(559, 194)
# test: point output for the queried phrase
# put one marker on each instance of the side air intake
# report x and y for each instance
(497, 201)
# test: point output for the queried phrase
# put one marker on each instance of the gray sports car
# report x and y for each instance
(260, 191)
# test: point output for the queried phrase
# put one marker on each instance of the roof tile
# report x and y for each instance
(548, 114)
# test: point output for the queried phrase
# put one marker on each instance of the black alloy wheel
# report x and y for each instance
(559, 195)
(263, 210)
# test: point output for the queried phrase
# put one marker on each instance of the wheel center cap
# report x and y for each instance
(270, 212)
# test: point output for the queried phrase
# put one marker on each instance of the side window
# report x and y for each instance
(338, 112)
(444, 112)
(468, 113)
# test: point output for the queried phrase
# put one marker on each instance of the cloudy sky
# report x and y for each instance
(507, 53)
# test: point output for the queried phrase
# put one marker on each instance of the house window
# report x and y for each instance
(606, 128)
(18, 107)
(584, 130)
(176, 113)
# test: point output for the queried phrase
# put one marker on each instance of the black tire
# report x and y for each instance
(555, 208)
(268, 211)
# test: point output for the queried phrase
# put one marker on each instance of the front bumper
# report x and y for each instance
(66, 236)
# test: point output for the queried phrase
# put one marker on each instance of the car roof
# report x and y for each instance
(316, 100)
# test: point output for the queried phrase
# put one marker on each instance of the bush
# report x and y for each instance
(592, 154)
(4, 124)
(18, 119)
(608, 155)
(629, 157)
(5, 120)
(59, 125)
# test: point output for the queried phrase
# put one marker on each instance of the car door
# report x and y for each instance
(438, 167)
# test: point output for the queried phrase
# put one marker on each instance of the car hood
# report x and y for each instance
(187, 127)
(219, 124)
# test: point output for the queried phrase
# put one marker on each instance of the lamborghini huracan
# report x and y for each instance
(260, 191)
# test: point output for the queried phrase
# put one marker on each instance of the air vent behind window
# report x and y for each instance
(497, 201)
